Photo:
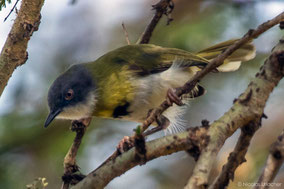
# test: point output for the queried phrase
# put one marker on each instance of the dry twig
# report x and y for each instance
(125, 34)
(274, 161)
(70, 166)
(237, 157)
(11, 10)
(164, 7)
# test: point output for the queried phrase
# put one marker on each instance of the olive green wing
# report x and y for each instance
(146, 59)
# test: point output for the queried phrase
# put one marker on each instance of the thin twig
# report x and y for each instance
(11, 10)
(237, 157)
(274, 161)
(126, 34)
(161, 8)
(70, 166)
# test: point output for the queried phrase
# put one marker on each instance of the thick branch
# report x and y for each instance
(246, 109)
(237, 157)
(273, 163)
(160, 147)
(14, 52)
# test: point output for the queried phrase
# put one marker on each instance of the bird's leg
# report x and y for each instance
(173, 98)
(80, 124)
(163, 123)
(127, 142)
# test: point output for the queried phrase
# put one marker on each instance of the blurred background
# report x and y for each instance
(83, 31)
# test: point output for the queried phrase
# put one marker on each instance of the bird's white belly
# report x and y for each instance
(152, 92)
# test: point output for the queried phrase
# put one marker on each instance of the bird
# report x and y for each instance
(127, 82)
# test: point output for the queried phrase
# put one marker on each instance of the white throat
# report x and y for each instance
(80, 110)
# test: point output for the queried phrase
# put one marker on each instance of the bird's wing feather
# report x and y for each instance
(146, 59)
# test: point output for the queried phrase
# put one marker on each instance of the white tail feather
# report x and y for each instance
(229, 67)
(175, 115)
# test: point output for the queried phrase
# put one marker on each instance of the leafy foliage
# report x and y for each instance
(3, 3)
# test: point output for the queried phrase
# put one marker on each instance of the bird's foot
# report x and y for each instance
(77, 125)
(173, 98)
(163, 123)
(124, 145)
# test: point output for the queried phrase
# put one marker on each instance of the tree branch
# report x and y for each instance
(246, 109)
(163, 7)
(14, 53)
(274, 161)
(99, 178)
(125, 34)
(237, 157)
(69, 164)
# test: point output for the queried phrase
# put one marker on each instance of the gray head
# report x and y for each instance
(72, 95)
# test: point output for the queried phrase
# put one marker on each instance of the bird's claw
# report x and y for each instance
(163, 123)
(173, 98)
(77, 125)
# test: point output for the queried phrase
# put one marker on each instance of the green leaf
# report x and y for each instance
(138, 130)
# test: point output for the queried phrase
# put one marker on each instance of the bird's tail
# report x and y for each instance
(233, 62)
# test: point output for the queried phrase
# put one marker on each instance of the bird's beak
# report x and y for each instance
(51, 117)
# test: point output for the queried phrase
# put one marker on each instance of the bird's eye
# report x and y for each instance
(69, 95)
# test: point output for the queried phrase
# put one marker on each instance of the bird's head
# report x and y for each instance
(72, 95)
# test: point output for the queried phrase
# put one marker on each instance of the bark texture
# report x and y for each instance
(14, 53)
